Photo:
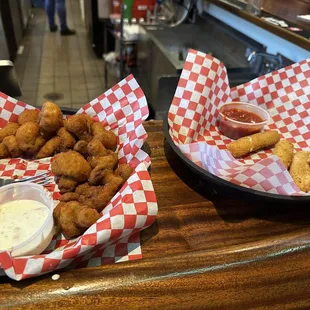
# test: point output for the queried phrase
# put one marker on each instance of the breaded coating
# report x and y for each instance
(300, 170)
(95, 148)
(284, 149)
(9, 130)
(69, 197)
(86, 216)
(4, 152)
(81, 147)
(28, 116)
(66, 185)
(98, 174)
(64, 217)
(67, 140)
(99, 196)
(50, 148)
(115, 180)
(82, 188)
(253, 143)
(38, 144)
(56, 215)
(72, 165)
(107, 138)
(12, 146)
(50, 118)
(124, 171)
(28, 138)
(89, 122)
(80, 126)
(108, 162)
(46, 135)
(74, 218)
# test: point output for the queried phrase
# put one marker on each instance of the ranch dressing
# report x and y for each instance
(20, 220)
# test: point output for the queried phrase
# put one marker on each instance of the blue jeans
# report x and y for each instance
(60, 7)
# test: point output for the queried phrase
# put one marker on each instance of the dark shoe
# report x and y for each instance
(53, 28)
(67, 32)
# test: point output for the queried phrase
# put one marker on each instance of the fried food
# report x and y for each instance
(95, 148)
(9, 130)
(108, 162)
(4, 152)
(99, 196)
(124, 171)
(284, 149)
(89, 121)
(82, 188)
(80, 126)
(253, 143)
(300, 170)
(28, 138)
(81, 147)
(67, 141)
(56, 215)
(74, 218)
(50, 118)
(112, 180)
(72, 165)
(98, 174)
(38, 144)
(12, 146)
(50, 148)
(86, 216)
(28, 116)
(69, 197)
(46, 135)
(66, 184)
(107, 138)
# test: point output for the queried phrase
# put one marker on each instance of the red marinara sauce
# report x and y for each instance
(242, 116)
(248, 123)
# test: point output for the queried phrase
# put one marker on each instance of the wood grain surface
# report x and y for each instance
(224, 254)
(288, 9)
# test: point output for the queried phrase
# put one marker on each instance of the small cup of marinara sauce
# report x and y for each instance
(239, 119)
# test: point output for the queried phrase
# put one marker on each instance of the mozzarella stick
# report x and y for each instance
(249, 144)
(284, 149)
(300, 170)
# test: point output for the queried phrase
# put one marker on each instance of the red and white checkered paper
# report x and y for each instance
(115, 236)
(204, 87)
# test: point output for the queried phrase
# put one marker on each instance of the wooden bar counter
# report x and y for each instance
(275, 7)
(223, 254)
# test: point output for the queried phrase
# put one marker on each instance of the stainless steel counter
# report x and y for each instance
(162, 52)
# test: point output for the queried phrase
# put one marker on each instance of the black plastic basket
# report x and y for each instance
(221, 186)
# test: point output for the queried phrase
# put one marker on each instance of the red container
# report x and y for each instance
(140, 8)
(116, 6)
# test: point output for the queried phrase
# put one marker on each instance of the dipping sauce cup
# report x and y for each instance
(26, 212)
(238, 119)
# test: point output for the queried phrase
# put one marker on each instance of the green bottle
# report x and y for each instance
(128, 8)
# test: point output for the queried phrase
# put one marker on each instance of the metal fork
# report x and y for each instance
(42, 179)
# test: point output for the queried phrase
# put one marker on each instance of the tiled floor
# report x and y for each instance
(63, 68)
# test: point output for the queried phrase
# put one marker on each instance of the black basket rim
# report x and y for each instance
(221, 182)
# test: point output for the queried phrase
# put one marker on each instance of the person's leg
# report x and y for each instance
(50, 12)
(61, 11)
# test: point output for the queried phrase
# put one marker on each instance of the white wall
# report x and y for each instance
(273, 43)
